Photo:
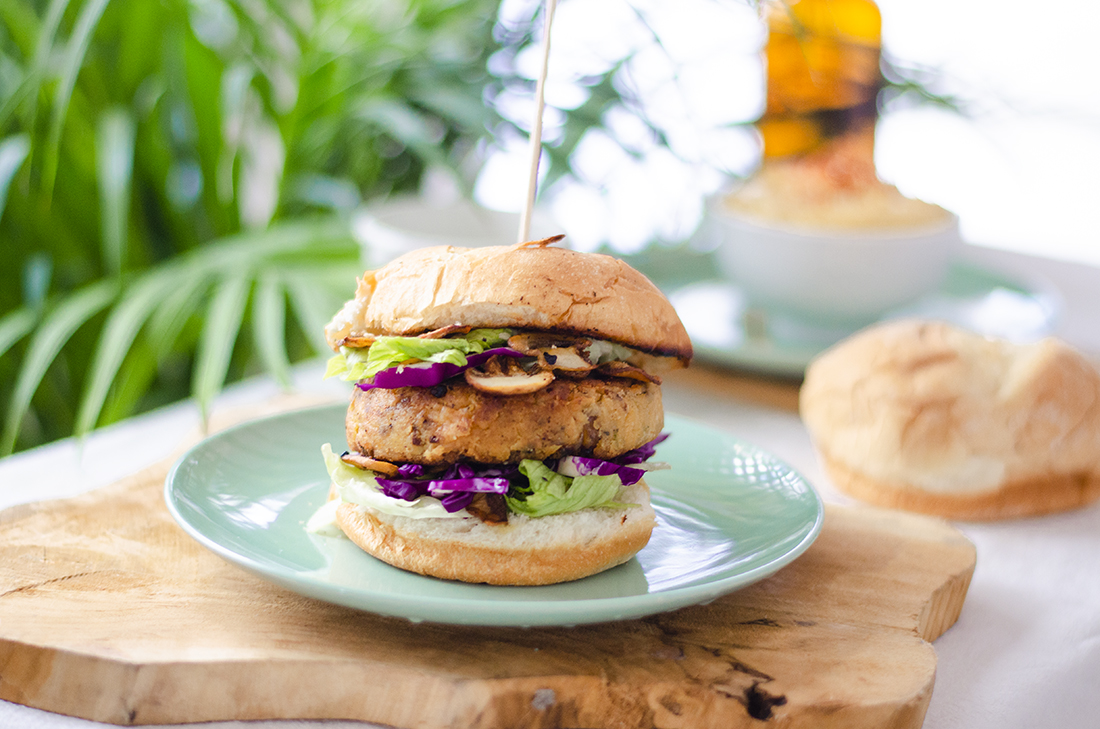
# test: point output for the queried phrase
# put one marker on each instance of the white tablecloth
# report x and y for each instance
(1025, 652)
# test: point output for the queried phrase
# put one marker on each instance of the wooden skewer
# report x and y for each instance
(535, 140)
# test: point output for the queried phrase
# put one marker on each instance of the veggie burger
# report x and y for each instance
(507, 402)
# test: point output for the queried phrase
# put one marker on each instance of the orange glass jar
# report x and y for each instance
(823, 75)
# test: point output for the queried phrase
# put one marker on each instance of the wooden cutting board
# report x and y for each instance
(109, 611)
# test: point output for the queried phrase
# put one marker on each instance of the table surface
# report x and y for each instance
(1024, 653)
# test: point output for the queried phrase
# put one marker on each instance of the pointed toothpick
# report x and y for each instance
(535, 140)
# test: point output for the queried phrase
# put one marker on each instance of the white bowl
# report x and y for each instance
(395, 226)
(836, 278)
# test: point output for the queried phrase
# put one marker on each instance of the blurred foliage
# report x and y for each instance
(177, 178)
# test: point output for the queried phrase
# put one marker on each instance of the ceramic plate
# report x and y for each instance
(728, 515)
(726, 332)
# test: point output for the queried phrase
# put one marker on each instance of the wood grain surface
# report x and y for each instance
(109, 611)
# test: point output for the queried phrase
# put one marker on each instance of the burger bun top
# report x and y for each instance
(525, 287)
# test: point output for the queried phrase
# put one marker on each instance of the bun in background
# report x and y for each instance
(927, 417)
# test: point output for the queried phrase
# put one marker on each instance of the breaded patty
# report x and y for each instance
(448, 423)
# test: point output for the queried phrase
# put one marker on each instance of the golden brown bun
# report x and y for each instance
(591, 417)
(927, 417)
(542, 288)
(526, 551)
(1058, 492)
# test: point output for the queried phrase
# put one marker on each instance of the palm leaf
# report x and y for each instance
(300, 236)
(28, 89)
(125, 320)
(115, 167)
(269, 327)
(14, 326)
(13, 151)
(407, 126)
(20, 21)
(131, 384)
(177, 308)
(235, 85)
(313, 307)
(85, 26)
(58, 326)
(223, 323)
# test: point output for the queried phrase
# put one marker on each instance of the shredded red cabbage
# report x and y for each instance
(410, 470)
(433, 374)
(404, 490)
(578, 466)
(641, 453)
(456, 486)
(456, 501)
(471, 485)
(620, 466)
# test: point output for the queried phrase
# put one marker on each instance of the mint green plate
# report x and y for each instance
(725, 331)
(728, 515)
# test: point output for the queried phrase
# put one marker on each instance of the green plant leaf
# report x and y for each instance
(235, 87)
(55, 330)
(116, 339)
(407, 126)
(14, 326)
(223, 323)
(269, 327)
(28, 89)
(13, 152)
(176, 309)
(115, 169)
(77, 49)
(313, 307)
(131, 383)
(20, 20)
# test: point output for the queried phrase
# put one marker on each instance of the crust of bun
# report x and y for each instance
(1045, 494)
(526, 551)
(927, 417)
(544, 288)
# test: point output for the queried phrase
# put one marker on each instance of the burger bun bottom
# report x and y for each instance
(525, 551)
(1046, 493)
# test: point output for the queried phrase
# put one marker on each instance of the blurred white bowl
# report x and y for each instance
(829, 277)
(393, 227)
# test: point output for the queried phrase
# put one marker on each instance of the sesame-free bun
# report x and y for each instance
(525, 551)
(927, 417)
(528, 287)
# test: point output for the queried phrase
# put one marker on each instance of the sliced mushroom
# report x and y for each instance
(490, 508)
(504, 376)
(446, 331)
(622, 369)
(568, 354)
(358, 342)
(369, 464)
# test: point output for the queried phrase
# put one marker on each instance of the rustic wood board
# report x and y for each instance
(108, 611)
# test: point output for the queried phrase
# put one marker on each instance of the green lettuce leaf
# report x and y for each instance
(549, 492)
(354, 365)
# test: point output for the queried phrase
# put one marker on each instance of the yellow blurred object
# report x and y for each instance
(823, 74)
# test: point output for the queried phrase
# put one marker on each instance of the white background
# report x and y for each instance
(1020, 168)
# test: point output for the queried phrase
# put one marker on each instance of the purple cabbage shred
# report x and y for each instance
(432, 375)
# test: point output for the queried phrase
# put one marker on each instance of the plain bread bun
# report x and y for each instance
(930, 418)
(532, 287)
(525, 551)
